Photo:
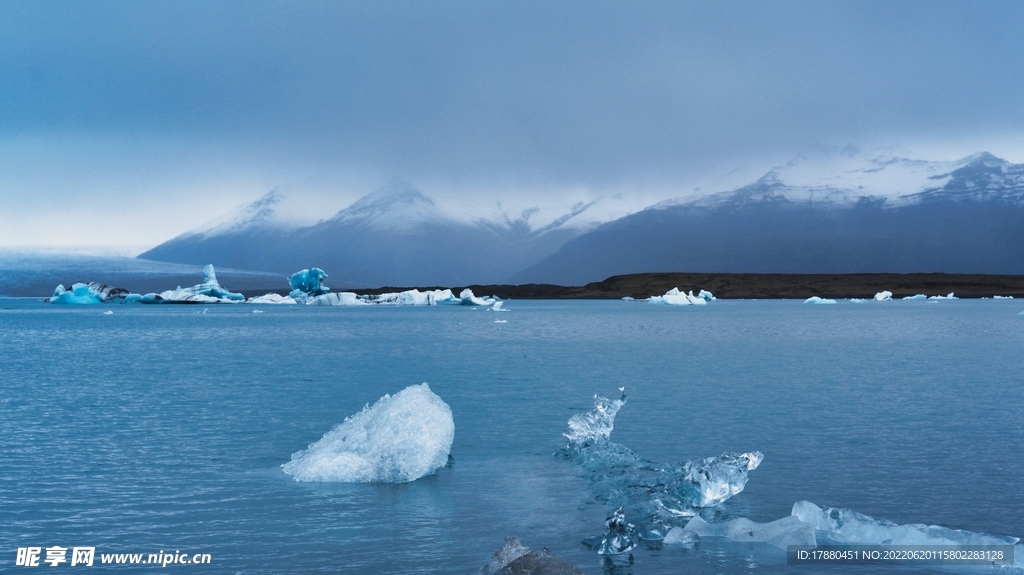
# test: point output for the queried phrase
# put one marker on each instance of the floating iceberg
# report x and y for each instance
(396, 440)
(818, 300)
(1002, 297)
(676, 297)
(947, 296)
(845, 526)
(497, 306)
(618, 537)
(857, 300)
(883, 296)
(627, 298)
(90, 294)
(308, 282)
(336, 298)
(780, 533)
(706, 295)
(651, 497)
(414, 297)
(272, 298)
(468, 298)
(210, 291)
(916, 297)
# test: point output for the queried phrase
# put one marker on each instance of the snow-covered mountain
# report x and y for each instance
(828, 212)
(841, 214)
(395, 236)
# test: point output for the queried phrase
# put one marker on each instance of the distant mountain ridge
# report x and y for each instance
(953, 217)
(845, 212)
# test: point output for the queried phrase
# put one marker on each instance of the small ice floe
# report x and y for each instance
(627, 298)
(883, 296)
(501, 321)
(858, 300)
(398, 439)
(497, 306)
(108, 312)
(257, 311)
(272, 299)
(1002, 297)
(919, 296)
(947, 296)
(676, 297)
(818, 300)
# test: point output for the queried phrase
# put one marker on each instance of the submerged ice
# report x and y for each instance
(398, 439)
(650, 497)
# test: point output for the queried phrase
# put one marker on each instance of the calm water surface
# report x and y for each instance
(164, 428)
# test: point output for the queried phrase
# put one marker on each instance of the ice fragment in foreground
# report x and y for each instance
(396, 440)
(618, 538)
(849, 527)
(818, 300)
(651, 496)
(780, 533)
(883, 296)
(513, 558)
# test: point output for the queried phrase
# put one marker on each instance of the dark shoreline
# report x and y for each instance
(745, 286)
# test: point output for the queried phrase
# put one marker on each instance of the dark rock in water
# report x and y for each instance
(513, 558)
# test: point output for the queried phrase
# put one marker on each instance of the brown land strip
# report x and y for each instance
(750, 286)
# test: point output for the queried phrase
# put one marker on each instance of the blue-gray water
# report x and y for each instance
(164, 428)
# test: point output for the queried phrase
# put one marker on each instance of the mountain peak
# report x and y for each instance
(396, 206)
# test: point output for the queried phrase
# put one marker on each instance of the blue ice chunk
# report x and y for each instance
(80, 294)
(309, 282)
(89, 294)
(915, 297)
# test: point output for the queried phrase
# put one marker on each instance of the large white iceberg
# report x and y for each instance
(676, 297)
(947, 296)
(210, 291)
(819, 301)
(414, 297)
(398, 439)
(883, 296)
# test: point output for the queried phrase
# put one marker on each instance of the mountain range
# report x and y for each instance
(845, 212)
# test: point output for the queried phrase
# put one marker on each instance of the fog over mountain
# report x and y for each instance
(841, 211)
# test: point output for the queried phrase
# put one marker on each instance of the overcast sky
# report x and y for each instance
(129, 122)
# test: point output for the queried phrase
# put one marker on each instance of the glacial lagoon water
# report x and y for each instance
(165, 428)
